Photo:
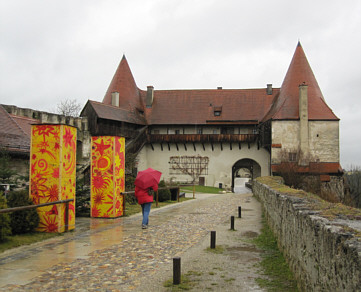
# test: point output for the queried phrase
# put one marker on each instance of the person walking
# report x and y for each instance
(145, 199)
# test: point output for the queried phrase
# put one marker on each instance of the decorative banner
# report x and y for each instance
(107, 176)
(53, 174)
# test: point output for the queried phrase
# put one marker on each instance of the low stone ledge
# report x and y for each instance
(322, 248)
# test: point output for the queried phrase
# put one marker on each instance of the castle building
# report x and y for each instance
(214, 136)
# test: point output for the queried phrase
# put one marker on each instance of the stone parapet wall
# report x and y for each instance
(324, 252)
(81, 123)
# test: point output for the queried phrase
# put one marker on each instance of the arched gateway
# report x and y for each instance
(245, 168)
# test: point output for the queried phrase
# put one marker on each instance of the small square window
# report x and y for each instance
(217, 113)
(292, 157)
(177, 132)
(199, 131)
(156, 132)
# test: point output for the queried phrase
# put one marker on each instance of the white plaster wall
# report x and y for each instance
(220, 161)
(285, 133)
(324, 140)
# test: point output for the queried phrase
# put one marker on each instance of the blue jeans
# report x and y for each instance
(145, 212)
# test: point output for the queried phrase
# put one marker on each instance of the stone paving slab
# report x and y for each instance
(133, 255)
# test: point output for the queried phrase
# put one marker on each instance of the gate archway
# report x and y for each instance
(246, 168)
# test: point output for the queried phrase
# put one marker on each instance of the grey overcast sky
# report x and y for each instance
(53, 50)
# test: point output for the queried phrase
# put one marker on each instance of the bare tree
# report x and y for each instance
(194, 166)
(68, 107)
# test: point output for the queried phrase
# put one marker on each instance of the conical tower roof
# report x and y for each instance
(124, 83)
(286, 105)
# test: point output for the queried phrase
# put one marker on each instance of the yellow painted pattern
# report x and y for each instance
(107, 176)
(53, 174)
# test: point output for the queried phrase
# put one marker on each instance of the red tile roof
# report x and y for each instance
(286, 104)
(114, 113)
(240, 106)
(15, 131)
(124, 83)
(313, 167)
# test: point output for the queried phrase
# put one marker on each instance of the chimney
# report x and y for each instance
(269, 89)
(115, 98)
(303, 113)
(150, 95)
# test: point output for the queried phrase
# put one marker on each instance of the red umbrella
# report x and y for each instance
(147, 178)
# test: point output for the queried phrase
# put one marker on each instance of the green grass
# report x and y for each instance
(186, 282)
(202, 189)
(25, 239)
(273, 264)
(217, 250)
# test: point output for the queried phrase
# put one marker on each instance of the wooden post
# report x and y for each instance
(232, 222)
(156, 200)
(239, 212)
(213, 239)
(122, 194)
(66, 216)
(178, 190)
(176, 271)
(194, 191)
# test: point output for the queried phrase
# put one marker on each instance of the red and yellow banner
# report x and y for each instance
(53, 174)
(107, 176)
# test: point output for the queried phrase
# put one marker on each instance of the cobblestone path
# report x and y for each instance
(137, 254)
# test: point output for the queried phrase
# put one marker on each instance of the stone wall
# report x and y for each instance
(81, 123)
(324, 254)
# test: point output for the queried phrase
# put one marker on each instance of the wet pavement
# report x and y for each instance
(117, 255)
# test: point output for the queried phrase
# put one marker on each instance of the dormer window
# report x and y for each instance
(217, 113)
(217, 110)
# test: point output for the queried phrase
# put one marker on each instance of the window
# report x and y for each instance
(199, 131)
(217, 110)
(227, 130)
(177, 132)
(155, 131)
(215, 132)
(292, 157)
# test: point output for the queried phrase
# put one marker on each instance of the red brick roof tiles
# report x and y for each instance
(124, 83)
(286, 104)
(114, 113)
(15, 131)
(313, 167)
(238, 105)
(198, 106)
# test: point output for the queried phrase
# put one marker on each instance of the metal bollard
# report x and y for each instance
(213, 239)
(176, 270)
(239, 212)
(232, 222)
